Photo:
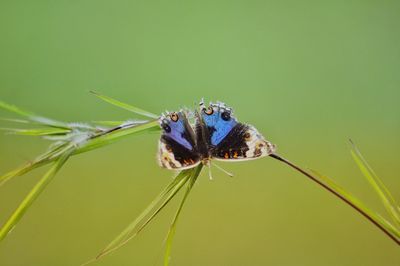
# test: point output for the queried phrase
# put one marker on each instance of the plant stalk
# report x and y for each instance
(344, 199)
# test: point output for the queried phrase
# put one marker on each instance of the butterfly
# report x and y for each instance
(216, 134)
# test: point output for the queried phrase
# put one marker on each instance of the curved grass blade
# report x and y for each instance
(20, 171)
(32, 116)
(33, 195)
(147, 215)
(120, 123)
(326, 183)
(172, 229)
(93, 143)
(38, 162)
(110, 137)
(125, 106)
(15, 109)
(375, 217)
(109, 123)
(37, 131)
(377, 184)
(71, 139)
(21, 121)
(96, 142)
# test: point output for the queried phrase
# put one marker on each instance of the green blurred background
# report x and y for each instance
(307, 74)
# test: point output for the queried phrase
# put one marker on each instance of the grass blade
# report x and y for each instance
(70, 139)
(105, 139)
(32, 116)
(37, 131)
(125, 106)
(95, 142)
(356, 202)
(377, 184)
(21, 121)
(172, 229)
(15, 109)
(147, 215)
(20, 171)
(41, 160)
(109, 123)
(33, 195)
(328, 184)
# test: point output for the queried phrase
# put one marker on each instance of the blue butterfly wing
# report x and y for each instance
(217, 127)
(242, 143)
(228, 139)
(177, 145)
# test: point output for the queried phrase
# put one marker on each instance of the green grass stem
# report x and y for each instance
(32, 195)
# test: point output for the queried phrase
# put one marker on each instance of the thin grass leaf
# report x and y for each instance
(15, 109)
(374, 217)
(109, 123)
(377, 184)
(41, 160)
(70, 139)
(389, 206)
(33, 195)
(15, 120)
(20, 171)
(172, 229)
(120, 123)
(32, 116)
(95, 142)
(125, 106)
(147, 215)
(37, 131)
(378, 180)
(386, 227)
(108, 138)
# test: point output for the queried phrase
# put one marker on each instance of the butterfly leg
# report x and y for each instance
(209, 170)
(223, 170)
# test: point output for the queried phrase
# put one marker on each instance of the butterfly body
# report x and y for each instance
(217, 135)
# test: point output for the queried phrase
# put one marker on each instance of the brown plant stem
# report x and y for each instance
(325, 186)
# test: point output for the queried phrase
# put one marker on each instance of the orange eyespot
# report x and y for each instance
(209, 111)
(174, 117)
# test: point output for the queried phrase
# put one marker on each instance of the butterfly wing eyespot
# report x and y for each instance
(174, 117)
(166, 127)
(226, 115)
(208, 111)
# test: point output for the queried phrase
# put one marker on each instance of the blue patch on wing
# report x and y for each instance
(177, 130)
(220, 126)
(222, 129)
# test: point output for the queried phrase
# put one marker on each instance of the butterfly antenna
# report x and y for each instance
(223, 170)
